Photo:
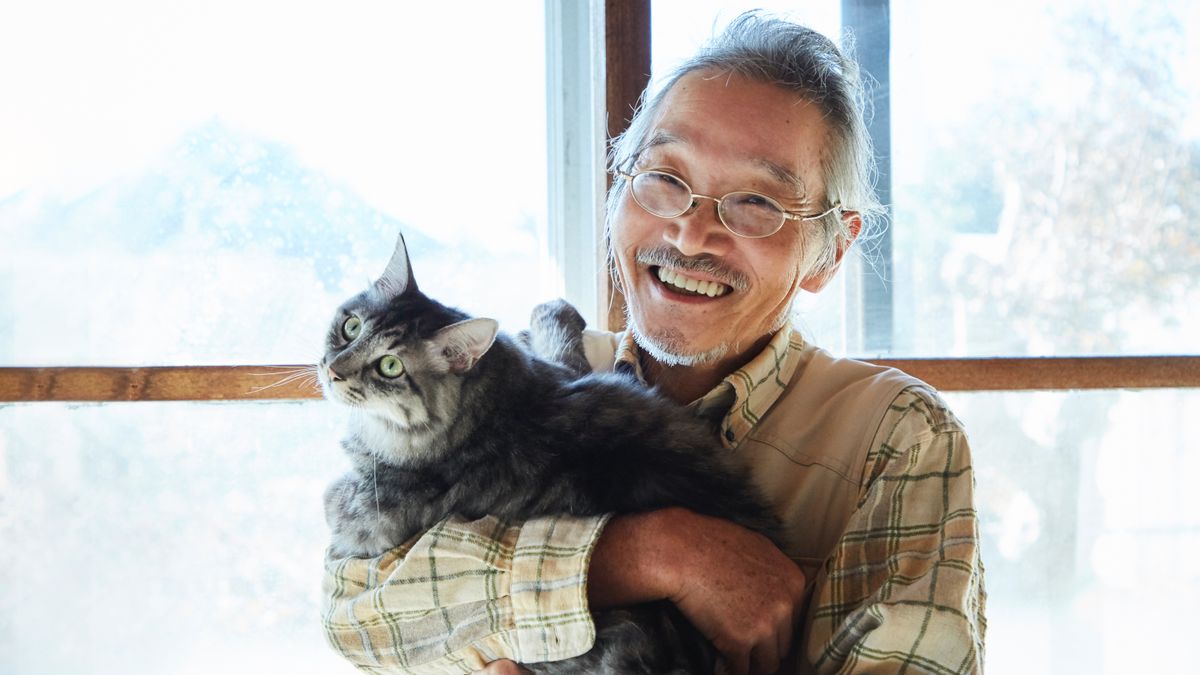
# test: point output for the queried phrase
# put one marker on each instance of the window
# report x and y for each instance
(1048, 205)
(168, 201)
(203, 184)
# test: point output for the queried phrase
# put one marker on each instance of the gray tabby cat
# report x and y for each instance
(453, 417)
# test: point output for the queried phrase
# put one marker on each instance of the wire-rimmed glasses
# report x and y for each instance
(744, 213)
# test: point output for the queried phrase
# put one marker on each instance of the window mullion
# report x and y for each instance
(870, 23)
(575, 128)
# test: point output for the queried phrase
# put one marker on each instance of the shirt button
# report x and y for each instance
(729, 435)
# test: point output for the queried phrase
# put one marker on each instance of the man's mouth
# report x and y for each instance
(683, 285)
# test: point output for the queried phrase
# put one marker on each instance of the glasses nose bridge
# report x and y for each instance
(695, 203)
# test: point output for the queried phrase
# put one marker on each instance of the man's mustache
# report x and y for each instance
(666, 256)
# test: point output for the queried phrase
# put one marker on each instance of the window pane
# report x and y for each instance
(158, 536)
(1046, 166)
(165, 538)
(205, 183)
(1090, 525)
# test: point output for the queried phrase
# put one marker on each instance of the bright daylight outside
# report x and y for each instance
(204, 183)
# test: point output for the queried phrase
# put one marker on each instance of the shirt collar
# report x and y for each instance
(746, 394)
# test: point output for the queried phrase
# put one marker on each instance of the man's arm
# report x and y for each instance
(731, 583)
(463, 594)
(904, 587)
(734, 585)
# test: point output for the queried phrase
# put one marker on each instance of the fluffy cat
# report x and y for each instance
(453, 417)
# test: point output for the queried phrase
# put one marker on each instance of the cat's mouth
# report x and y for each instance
(678, 282)
(339, 390)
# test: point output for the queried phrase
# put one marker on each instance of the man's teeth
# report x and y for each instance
(710, 288)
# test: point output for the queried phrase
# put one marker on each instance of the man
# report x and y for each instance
(745, 180)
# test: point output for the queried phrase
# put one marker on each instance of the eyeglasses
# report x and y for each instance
(746, 214)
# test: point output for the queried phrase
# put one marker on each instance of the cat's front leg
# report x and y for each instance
(361, 529)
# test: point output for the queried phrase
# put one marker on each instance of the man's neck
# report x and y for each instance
(685, 384)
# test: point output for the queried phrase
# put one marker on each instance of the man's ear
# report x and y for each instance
(817, 279)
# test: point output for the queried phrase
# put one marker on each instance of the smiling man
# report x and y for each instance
(751, 246)
(744, 181)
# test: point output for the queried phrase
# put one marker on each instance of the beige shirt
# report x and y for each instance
(866, 467)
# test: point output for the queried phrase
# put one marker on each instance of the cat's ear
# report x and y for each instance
(461, 345)
(398, 278)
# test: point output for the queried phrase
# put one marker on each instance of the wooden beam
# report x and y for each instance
(256, 383)
(627, 73)
(172, 383)
(1023, 374)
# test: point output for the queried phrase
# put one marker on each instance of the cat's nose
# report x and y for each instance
(333, 374)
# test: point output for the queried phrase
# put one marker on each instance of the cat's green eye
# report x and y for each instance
(391, 366)
(351, 328)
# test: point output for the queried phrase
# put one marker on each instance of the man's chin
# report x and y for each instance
(670, 348)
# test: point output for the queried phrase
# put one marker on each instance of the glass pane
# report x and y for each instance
(1046, 165)
(1091, 527)
(205, 183)
(165, 538)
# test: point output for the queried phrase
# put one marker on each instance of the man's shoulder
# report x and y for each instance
(822, 376)
(600, 348)
(845, 408)
(833, 409)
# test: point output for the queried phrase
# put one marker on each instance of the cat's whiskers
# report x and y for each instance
(375, 478)
(306, 375)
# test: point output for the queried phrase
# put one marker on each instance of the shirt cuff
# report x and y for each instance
(549, 587)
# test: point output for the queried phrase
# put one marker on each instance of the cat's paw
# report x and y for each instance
(557, 314)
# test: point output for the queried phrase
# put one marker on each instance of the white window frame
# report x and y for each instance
(575, 123)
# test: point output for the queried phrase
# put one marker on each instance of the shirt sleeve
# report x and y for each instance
(464, 594)
(903, 590)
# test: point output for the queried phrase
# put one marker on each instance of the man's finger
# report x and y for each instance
(764, 660)
(503, 667)
(735, 664)
(784, 636)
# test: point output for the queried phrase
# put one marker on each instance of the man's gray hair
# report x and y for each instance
(799, 59)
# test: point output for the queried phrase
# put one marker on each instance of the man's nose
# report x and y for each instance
(698, 230)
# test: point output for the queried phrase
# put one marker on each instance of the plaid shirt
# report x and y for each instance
(902, 590)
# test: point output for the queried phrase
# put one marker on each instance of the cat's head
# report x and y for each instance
(394, 352)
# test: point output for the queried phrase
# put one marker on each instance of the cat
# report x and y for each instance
(454, 417)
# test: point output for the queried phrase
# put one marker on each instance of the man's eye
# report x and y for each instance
(752, 201)
(668, 181)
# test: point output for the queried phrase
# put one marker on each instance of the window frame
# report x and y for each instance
(620, 54)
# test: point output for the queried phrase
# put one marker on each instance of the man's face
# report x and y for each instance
(721, 133)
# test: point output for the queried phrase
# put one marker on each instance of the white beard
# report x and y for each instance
(668, 349)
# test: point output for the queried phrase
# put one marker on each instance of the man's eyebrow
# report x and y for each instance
(784, 176)
(658, 137)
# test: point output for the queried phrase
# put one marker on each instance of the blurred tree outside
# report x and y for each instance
(1057, 220)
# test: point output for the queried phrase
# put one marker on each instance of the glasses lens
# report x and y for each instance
(661, 193)
(751, 215)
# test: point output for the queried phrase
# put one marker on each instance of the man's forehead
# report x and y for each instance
(660, 137)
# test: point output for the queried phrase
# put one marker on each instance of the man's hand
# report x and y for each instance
(502, 667)
(734, 585)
